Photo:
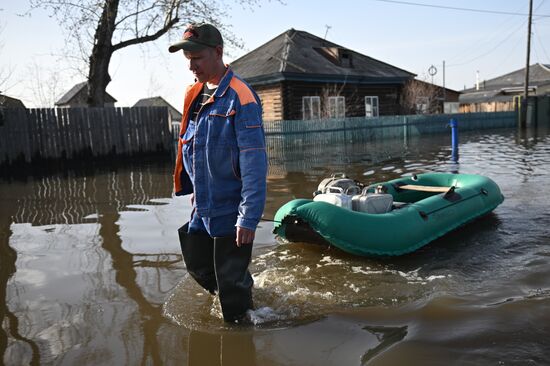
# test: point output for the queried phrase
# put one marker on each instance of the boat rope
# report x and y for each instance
(271, 220)
(425, 215)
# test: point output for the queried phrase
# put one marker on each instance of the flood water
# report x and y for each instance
(91, 272)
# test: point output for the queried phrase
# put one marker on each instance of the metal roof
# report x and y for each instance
(9, 102)
(299, 55)
(83, 86)
(158, 102)
(504, 87)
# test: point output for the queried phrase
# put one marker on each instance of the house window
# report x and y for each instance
(371, 106)
(346, 60)
(336, 107)
(311, 107)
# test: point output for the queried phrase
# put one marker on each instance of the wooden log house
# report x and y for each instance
(301, 76)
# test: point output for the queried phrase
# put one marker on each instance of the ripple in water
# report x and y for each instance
(295, 284)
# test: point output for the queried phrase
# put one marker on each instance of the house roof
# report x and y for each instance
(83, 86)
(503, 88)
(299, 55)
(436, 86)
(158, 102)
(9, 102)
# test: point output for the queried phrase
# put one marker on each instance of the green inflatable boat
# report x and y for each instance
(425, 207)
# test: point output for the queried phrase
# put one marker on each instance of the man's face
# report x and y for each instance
(204, 63)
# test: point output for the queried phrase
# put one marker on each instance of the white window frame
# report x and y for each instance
(337, 107)
(372, 106)
(313, 110)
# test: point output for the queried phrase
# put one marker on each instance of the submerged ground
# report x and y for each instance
(91, 274)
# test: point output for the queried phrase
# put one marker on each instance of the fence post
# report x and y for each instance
(454, 140)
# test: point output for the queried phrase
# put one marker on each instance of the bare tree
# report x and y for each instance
(421, 97)
(154, 87)
(99, 28)
(332, 108)
(6, 72)
(45, 84)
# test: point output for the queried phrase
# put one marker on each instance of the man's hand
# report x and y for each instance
(244, 236)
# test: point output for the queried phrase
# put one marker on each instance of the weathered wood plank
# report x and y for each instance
(114, 131)
(92, 125)
(167, 134)
(53, 135)
(140, 129)
(126, 130)
(67, 138)
(73, 131)
(122, 134)
(42, 146)
(413, 187)
(135, 125)
(47, 133)
(129, 130)
(107, 130)
(75, 114)
(32, 117)
(45, 146)
(24, 131)
(85, 132)
(10, 145)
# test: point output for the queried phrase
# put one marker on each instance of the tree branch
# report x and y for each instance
(146, 38)
(135, 14)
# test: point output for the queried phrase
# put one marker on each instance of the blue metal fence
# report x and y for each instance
(394, 126)
(291, 134)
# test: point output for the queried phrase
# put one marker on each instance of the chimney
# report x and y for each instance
(477, 80)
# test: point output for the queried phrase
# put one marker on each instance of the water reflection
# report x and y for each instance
(126, 277)
(90, 269)
(387, 336)
(8, 258)
(67, 202)
(69, 198)
(226, 349)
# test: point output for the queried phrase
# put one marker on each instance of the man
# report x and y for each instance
(222, 163)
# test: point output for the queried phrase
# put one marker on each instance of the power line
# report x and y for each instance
(498, 30)
(492, 49)
(460, 9)
(478, 44)
(502, 67)
(540, 43)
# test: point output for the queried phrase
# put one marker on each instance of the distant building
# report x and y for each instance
(301, 76)
(502, 93)
(175, 115)
(421, 97)
(77, 96)
(9, 102)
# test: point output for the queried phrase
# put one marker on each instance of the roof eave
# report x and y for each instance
(321, 78)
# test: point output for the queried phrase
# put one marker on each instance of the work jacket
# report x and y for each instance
(225, 146)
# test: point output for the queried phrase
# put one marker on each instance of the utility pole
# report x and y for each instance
(523, 117)
(444, 94)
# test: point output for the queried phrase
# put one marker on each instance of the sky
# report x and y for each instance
(412, 35)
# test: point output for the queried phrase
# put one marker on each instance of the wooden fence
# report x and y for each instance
(28, 135)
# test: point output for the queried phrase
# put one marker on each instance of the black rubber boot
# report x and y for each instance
(198, 254)
(234, 280)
